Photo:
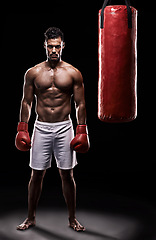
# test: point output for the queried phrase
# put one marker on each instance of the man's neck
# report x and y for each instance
(54, 64)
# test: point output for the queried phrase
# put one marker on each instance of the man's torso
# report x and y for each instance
(53, 89)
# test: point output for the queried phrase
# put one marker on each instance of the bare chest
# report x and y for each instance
(53, 80)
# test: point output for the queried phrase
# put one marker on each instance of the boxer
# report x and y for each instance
(53, 83)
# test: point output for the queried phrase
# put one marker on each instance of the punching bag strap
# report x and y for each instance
(129, 11)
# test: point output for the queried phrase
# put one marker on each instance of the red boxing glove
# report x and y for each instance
(22, 141)
(81, 141)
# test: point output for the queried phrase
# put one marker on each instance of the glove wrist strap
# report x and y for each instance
(81, 129)
(22, 126)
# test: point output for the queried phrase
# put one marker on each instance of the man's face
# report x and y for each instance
(54, 48)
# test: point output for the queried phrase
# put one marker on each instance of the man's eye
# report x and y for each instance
(58, 46)
(50, 46)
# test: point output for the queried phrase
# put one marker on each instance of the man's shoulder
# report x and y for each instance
(75, 73)
(69, 67)
(33, 71)
(36, 68)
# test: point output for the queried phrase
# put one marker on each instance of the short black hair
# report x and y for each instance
(53, 32)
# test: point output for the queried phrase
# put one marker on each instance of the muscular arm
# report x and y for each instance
(78, 91)
(28, 95)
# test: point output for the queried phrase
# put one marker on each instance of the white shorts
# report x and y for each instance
(53, 138)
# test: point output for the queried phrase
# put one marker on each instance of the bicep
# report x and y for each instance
(78, 90)
(28, 88)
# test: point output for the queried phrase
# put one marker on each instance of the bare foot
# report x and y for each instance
(26, 224)
(74, 224)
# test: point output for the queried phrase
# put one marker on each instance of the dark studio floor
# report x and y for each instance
(109, 215)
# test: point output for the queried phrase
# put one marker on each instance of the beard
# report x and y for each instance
(54, 57)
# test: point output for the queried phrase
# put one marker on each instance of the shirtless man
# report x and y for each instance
(52, 82)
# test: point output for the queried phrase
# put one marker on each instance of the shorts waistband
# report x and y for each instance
(53, 124)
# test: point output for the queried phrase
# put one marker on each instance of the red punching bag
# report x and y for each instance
(117, 52)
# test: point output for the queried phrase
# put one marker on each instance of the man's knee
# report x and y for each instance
(37, 176)
(66, 175)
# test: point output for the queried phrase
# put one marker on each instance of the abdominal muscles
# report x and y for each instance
(53, 106)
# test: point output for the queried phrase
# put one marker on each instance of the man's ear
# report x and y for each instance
(45, 44)
(63, 45)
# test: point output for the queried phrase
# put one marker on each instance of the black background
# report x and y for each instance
(121, 157)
